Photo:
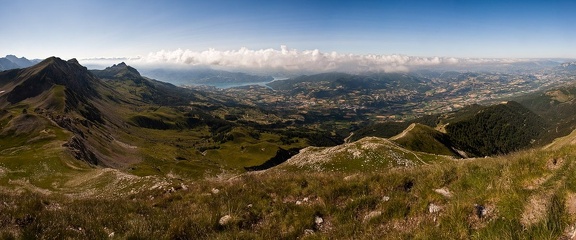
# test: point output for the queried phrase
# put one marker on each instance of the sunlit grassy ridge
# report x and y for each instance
(529, 194)
(367, 154)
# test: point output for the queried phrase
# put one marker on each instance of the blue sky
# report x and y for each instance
(456, 28)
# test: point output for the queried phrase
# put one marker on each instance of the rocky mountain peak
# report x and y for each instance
(39, 78)
(119, 71)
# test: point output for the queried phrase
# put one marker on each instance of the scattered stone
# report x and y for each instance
(569, 233)
(111, 235)
(385, 199)
(371, 215)
(298, 202)
(305, 199)
(249, 205)
(348, 178)
(215, 191)
(433, 208)
(444, 192)
(184, 187)
(225, 220)
(318, 220)
(308, 232)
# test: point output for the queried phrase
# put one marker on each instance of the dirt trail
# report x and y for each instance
(403, 133)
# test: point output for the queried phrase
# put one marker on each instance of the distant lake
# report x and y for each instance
(231, 85)
(236, 84)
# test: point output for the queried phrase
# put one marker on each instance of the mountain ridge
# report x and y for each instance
(12, 62)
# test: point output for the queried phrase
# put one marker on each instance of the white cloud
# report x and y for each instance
(286, 59)
(292, 60)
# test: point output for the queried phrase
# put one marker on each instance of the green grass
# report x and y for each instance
(282, 204)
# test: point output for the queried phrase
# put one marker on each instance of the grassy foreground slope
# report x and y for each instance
(530, 194)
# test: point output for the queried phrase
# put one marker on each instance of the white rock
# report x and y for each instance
(385, 199)
(371, 215)
(215, 190)
(433, 208)
(298, 202)
(444, 192)
(318, 220)
(225, 220)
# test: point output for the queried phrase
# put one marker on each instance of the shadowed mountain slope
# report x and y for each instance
(497, 129)
(477, 130)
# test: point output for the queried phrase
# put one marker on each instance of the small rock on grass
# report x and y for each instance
(318, 220)
(371, 215)
(444, 192)
(224, 220)
(433, 208)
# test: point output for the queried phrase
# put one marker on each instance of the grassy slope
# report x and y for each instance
(367, 154)
(525, 195)
(44, 193)
(423, 138)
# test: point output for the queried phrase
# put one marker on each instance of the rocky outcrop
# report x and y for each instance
(80, 151)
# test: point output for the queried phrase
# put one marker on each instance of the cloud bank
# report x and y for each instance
(286, 60)
(292, 60)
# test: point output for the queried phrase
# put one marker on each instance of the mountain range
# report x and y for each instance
(12, 62)
(97, 106)
(124, 155)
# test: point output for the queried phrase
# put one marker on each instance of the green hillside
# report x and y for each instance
(497, 129)
(477, 130)
(422, 138)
